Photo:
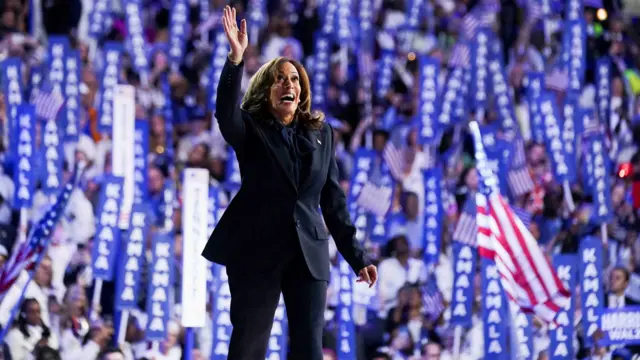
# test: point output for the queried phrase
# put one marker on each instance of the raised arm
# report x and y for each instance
(228, 111)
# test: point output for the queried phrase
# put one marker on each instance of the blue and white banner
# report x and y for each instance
(500, 88)
(346, 335)
(561, 334)
(52, 152)
(574, 10)
(328, 13)
(107, 239)
(169, 203)
(524, 332)
(71, 109)
(159, 288)
(132, 259)
(479, 50)
(570, 130)
(218, 58)
(23, 143)
(494, 313)
(601, 181)
(12, 88)
(135, 38)
(498, 155)
(112, 53)
(343, 19)
(36, 80)
(385, 73)
(221, 316)
(277, 349)
(553, 140)
(535, 86)
(620, 326)
(428, 106)
(56, 58)
(433, 216)
(464, 266)
(447, 102)
(575, 53)
(320, 77)
(233, 178)
(591, 286)
(603, 88)
(140, 152)
(99, 18)
(178, 31)
(363, 161)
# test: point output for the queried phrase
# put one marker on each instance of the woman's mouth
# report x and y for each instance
(287, 99)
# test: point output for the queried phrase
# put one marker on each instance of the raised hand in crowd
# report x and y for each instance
(237, 37)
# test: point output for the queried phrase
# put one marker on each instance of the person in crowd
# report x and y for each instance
(397, 271)
(29, 331)
(408, 222)
(111, 354)
(274, 132)
(37, 289)
(80, 338)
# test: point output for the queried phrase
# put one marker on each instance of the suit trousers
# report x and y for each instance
(254, 298)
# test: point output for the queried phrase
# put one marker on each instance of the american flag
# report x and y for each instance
(432, 298)
(28, 254)
(394, 158)
(375, 199)
(47, 104)
(460, 56)
(479, 17)
(528, 279)
(520, 181)
(523, 215)
(466, 231)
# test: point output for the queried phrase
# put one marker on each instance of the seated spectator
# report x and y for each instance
(397, 271)
(29, 331)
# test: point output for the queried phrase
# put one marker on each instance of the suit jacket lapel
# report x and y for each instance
(316, 156)
(280, 152)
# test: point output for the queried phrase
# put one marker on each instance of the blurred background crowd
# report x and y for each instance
(397, 319)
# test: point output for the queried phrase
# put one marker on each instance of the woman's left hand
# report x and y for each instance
(368, 274)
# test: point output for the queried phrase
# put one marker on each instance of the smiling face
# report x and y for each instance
(284, 94)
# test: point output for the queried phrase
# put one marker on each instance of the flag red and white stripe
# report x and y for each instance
(375, 199)
(47, 104)
(527, 277)
(394, 158)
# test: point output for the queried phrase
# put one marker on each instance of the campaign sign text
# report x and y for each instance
(591, 265)
(561, 333)
(159, 287)
(107, 237)
(620, 326)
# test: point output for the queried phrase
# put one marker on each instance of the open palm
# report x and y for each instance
(238, 39)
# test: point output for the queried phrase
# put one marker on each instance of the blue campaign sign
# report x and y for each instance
(620, 326)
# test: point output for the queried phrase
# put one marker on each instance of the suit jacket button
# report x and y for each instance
(297, 223)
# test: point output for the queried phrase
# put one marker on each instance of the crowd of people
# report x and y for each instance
(394, 320)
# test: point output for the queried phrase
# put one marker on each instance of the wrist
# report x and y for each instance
(235, 59)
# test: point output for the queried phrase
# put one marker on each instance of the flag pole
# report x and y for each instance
(457, 341)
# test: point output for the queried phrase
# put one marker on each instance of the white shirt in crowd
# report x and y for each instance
(21, 347)
(33, 291)
(394, 276)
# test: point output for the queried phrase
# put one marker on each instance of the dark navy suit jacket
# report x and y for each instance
(270, 206)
